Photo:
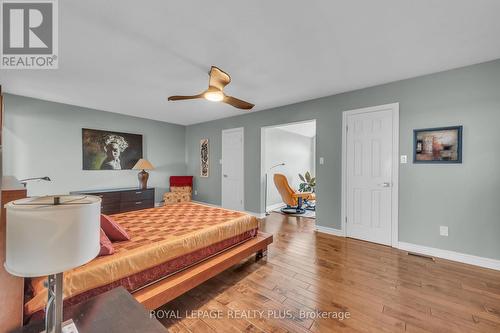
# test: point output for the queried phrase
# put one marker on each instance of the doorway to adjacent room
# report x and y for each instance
(289, 150)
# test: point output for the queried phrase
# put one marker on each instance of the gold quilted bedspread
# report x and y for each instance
(157, 235)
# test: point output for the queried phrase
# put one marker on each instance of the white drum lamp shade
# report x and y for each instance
(43, 238)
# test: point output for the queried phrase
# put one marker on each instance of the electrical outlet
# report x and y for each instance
(195, 192)
(404, 159)
(443, 230)
(321, 160)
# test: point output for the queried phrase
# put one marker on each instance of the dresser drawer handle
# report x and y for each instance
(139, 192)
(138, 202)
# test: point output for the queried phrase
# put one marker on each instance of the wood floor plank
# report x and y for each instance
(383, 289)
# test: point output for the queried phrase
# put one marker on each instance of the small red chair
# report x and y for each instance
(181, 189)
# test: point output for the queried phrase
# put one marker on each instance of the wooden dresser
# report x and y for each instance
(119, 200)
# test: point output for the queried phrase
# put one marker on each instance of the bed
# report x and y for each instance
(172, 249)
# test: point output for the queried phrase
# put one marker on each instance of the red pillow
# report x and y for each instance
(112, 229)
(106, 246)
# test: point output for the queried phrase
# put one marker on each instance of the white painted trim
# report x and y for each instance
(451, 255)
(409, 247)
(257, 215)
(395, 166)
(395, 175)
(263, 173)
(330, 231)
(206, 203)
(270, 208)
(291, 123)
(229, 130)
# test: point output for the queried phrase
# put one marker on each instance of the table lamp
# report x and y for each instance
(143, 176)
(49, 235)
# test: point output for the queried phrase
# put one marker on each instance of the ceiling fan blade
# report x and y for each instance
(238, 103)
(218, 78)
(180, 98)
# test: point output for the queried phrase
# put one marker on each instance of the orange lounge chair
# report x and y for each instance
(293, 199)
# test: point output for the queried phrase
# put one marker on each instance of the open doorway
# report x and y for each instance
(289, 150)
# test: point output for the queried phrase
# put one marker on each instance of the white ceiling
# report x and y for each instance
(307, 128)
(129, 56)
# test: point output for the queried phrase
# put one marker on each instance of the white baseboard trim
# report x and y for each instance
(270, 208)
(257, 215)
(330, 231)
(409, 247)
(205, 203)
(451, 255)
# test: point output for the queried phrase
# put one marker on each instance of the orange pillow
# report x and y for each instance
(112, 229)
(106, 246)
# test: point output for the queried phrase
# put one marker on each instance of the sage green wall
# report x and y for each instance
(45, 139)
(465, 197)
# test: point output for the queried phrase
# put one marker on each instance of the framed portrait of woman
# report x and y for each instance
(107, 150)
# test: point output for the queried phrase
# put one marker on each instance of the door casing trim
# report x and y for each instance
(394, 107)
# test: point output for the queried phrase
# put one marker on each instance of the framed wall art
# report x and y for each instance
(106, 150)
(438, 145)
(204, 158)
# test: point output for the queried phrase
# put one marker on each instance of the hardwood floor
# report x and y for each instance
(382, 289)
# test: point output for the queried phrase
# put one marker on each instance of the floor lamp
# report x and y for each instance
(265, 194)
(48, 236)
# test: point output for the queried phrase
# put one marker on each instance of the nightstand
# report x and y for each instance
(115, 311)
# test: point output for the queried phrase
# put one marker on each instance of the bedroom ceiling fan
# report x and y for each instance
(215, 92)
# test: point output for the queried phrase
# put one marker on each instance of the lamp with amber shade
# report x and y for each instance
(143, 176)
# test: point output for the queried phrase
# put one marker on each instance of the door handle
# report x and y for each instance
(225, 176)
(385, 184)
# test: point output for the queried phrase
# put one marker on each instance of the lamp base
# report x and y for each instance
(67, 327)
(53, 313)
(54, 310)
(143, 177)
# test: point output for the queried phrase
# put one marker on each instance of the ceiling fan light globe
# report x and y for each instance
(214, 96)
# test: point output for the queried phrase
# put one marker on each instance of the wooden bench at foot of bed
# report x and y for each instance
(165, 290)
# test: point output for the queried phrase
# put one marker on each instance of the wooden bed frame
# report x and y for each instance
(163, 291)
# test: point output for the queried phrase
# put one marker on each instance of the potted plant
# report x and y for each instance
(308, 183)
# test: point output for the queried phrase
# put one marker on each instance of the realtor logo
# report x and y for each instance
(29, 34)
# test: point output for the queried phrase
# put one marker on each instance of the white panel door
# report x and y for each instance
(232, 169)
(369, 166)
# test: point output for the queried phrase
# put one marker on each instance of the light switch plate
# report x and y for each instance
(404, 159)
(443, 230)
(195, 192)
(220, 161)
(321, 160)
